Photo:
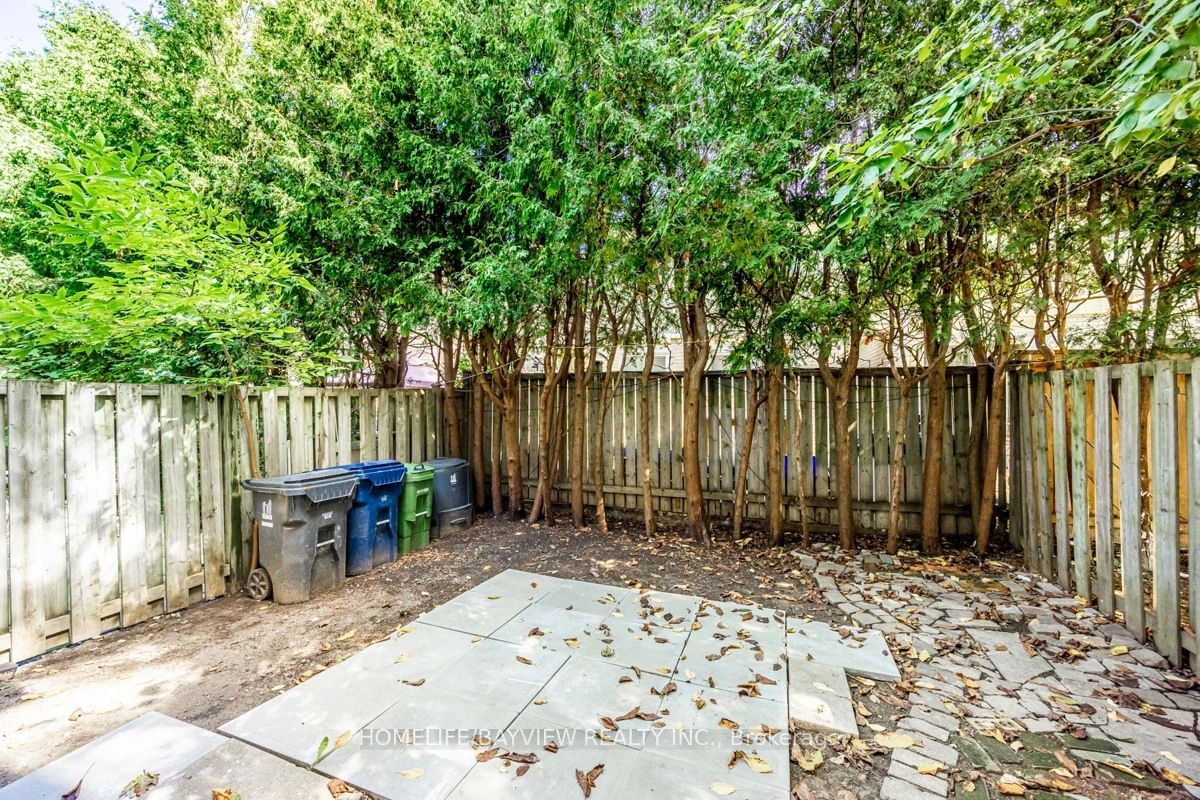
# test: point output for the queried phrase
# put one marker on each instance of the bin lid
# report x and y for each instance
(320, 485)
(446, 463)
(385, 472)
(418, 473)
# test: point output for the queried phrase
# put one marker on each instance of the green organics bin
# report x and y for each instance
(416, 507)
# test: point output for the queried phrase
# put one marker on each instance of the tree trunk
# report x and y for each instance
(694, 327)
(775, 455)
(585, 365)
(644, 435)
(512, 444)
(497, 479)
(753, 402)
(840, 385)
(991, 462)
(977, 443)
(450, 402)
(477, 442)
(843, 464)
(802, 470)
(899, 425)
(931, 480)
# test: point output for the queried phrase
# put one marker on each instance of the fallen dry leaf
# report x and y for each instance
(337, 786)
(894, 739)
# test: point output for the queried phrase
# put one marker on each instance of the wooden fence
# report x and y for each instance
(123, 501)
(1108, 480)
(808, 449)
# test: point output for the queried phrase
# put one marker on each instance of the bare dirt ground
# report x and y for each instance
(214, 661)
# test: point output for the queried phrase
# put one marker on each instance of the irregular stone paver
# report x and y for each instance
(1009, 657)
(1088, 691)
(152, 743)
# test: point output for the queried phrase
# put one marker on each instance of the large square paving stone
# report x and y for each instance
(712, 731)
(553, 775)
(499, 673)
(734, 659)
(664, 776)
(819, 699)
(859, 652)
(476, 613)
(346, 697)
(516, 584)
(585, 690)
(596, 599)
(421, 747)
(151, 743)
(553, 628)
(250, 772)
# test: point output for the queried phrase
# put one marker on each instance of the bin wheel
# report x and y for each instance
(258, 584)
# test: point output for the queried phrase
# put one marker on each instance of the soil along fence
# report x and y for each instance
(1108, 478)
(808, 447)
(123, 501)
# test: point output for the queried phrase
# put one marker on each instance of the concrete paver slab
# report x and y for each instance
(152, 743)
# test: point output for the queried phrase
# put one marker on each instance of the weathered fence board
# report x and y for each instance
(1147, 507)
(123, 502)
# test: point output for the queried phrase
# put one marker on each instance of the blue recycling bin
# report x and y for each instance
(373, 524)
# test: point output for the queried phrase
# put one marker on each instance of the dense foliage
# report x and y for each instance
(290, 188)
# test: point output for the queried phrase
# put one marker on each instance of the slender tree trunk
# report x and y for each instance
(512, 446)
(477, 442)
(840, 385)
(802, 471)
(644, 432)
(450, 401)
(556, 433)
(775, 455)
(694, 327)
(931, 481)
(497, 470)
(977, 444)
(750, 424)
(585, 365)
(548, 439)
(843, 465)
(897, 466)
(991, 462)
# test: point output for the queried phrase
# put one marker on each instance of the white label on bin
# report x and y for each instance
(383, 498)
(327, 515)
(453, 478)
(264, 518)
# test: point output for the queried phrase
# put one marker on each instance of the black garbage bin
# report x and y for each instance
(453, 507)
(301, 533)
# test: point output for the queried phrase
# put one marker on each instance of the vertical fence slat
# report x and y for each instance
(28, 515)
(1131, 502)
(5, 531)
(133, 435)
(1166, 513)
(1193, 456)
(174, 496)
(212, 523)
(1061, 483)
(1043, 533)
(91, 486)
(1102, 398)
(1080, 527)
